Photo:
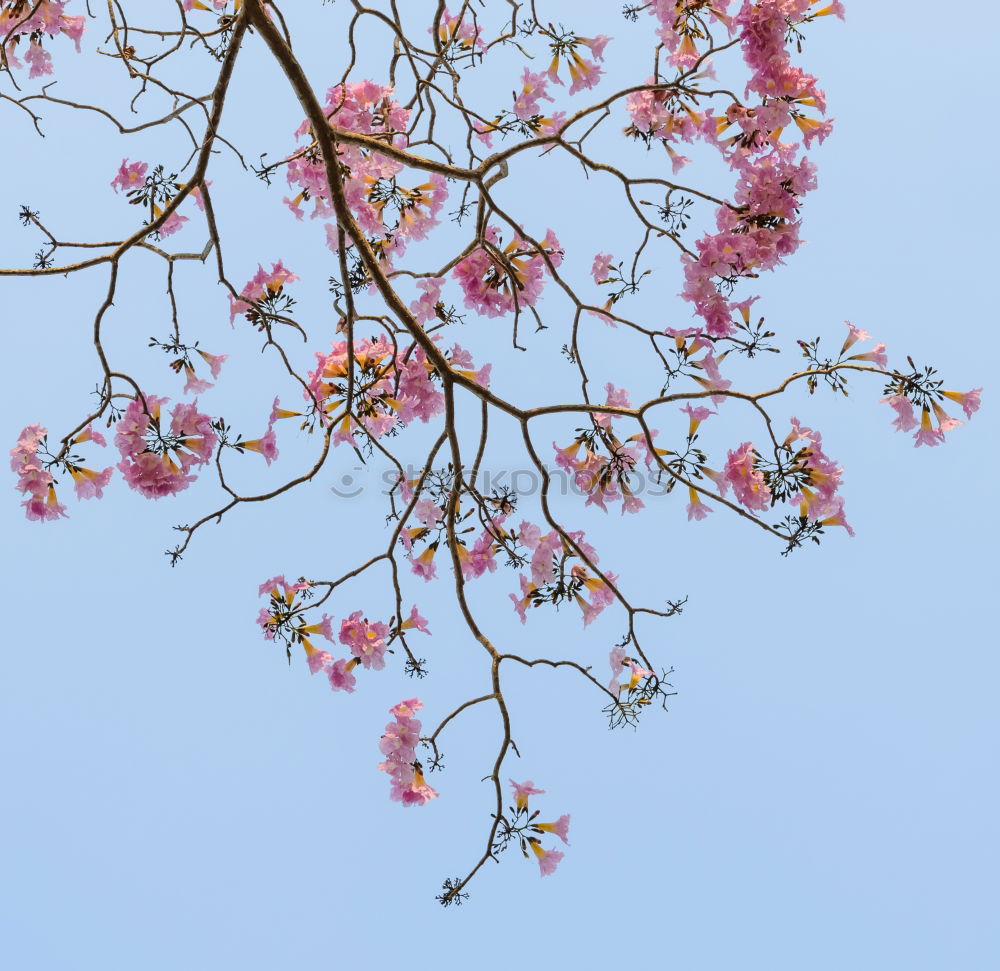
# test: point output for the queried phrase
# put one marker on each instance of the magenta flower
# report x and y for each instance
(415, 622)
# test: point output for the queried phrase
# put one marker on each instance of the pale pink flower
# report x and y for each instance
(522, 790)
(90, 435)
(88, 483)
(341, 676)
(601, 268)
(926, 435)
(266, 445)
(129, 176)
(905, 419)
(415, 622)
(215, 362)
(317, 660)
(560, 827)
(969, 400)
(696, 509)
(548, 860)
(423, 565)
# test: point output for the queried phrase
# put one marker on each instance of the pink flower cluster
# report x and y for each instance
(458, 30)
(548, 860)
(399, 746)
(679, 26)
(604, 478)
(393, 386)
(754, 235)
(583, 73)
(617, 659)
(764, 32)
(548, 556)
(496, 282)
(926, 433)
(32, 478)
(40, 18)
(262, 285)
(131, 178)
(533, 87)
(819, 499)
(389, 213)
(157, 460)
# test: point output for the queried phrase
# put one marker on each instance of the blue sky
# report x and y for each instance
(823, 791)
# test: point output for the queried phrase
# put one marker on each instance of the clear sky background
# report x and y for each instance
(823, 793)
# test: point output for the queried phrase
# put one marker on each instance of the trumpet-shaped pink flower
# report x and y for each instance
(522, 790)
(969, 400)
(548, 860)
(560, 827)
(129, 176)
(266, 445)
(341, 676)
(88, 483)
(905, 419)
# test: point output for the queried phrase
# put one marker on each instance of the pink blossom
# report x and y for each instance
(90, 435)
(695, 417)
(194, 384)
(496, 281)
(560, 827)
(522, 790)
(43, 506)
(341, 676)
(533, 87)
(415, 622)
(266, 445)
(129, 176)
(601, 268)
(88, 483)
(969, 400)
(171, 224)
(877, 356)
(423, 565)
(548, 860)
(279, 587)
(366, 640)
(747, 481)
(156, 460)
(905, 419)
(215, 362)
(317, 660)
(696, 509)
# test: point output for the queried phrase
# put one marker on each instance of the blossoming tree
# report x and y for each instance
(404, 168)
